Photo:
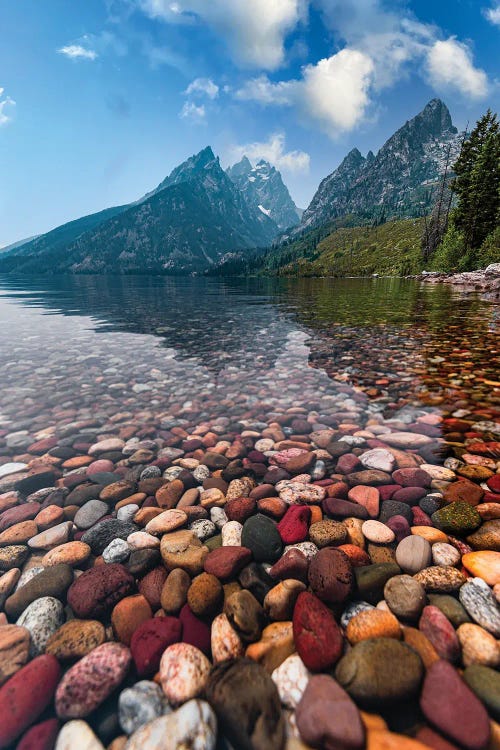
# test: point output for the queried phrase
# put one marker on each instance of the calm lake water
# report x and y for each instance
(74, 347)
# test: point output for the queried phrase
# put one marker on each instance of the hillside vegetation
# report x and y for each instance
(392, 248)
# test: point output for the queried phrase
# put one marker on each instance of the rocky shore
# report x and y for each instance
(485, 281)
(289, 577)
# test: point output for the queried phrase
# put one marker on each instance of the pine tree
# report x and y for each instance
(477, 182)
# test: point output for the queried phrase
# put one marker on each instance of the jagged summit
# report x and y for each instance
(397, 180)
(263, 188)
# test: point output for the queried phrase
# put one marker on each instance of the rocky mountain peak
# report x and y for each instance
(264, 189)
(398, 180)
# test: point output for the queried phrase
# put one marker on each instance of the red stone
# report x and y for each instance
(96, 591)
(440, 632)
(494, 483)
(40, 737)
(226, 562)
(387, 491)
(412, 477)
(451, 706)
(409, 495)
(420, 518)
(240, 509)
(294, 525)
(293, 564)
(432, 739)
(26, 695)
(150, 640)
(318, 638)
(151, 584)
(196, 632)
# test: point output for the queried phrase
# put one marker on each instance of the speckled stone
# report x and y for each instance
(477, 598)
(184, 671)
(75, 639)
(440, 579)
(457, 518)
(42, 618)
(91, 680)
(140, 704)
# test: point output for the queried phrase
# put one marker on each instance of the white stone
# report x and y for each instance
(11, 468)
(291, 679)
(378, 458)
(192, 726)
(231, 534)
(77, 735)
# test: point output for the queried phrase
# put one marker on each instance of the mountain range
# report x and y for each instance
(200, 215)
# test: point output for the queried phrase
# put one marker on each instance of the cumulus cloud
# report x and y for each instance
(274, 151)
(333, 94)
(449, 65)
(254, 32)
(77, 52)
(6, 104)
(204, 87)
(493, 14)
(191, 111)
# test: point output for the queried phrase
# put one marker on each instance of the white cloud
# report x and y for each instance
(204, 86)
(333, 94)
(273, 151)
(77, 52)
(5, 103)
(493, 14)
(254, 32)
(449, 65)
(263, 90)
(191, 111)
(335, 91)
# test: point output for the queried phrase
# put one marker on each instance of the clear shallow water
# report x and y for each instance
(92, 347)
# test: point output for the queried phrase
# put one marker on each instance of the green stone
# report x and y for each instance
(456, 518)
(485, 683)
(451, 608)
(371, 580)
(262, 537)
(379, 671)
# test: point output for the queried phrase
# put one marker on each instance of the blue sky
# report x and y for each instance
(100, 99)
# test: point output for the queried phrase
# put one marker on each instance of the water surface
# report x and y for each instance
(76, 347)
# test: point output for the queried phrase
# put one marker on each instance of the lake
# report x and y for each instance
(202, 348)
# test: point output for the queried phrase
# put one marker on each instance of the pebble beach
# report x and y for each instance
(298, 547)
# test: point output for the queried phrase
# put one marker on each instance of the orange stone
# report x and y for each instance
(128, 614)
(356, 555)
(428, 532)
(135, 499)
(71, 553)
(383, 740)
(372, 623)
(78, 462)
(485, 564)
(49, 516)
(144, 515)
(18, 533)
(421, 644)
